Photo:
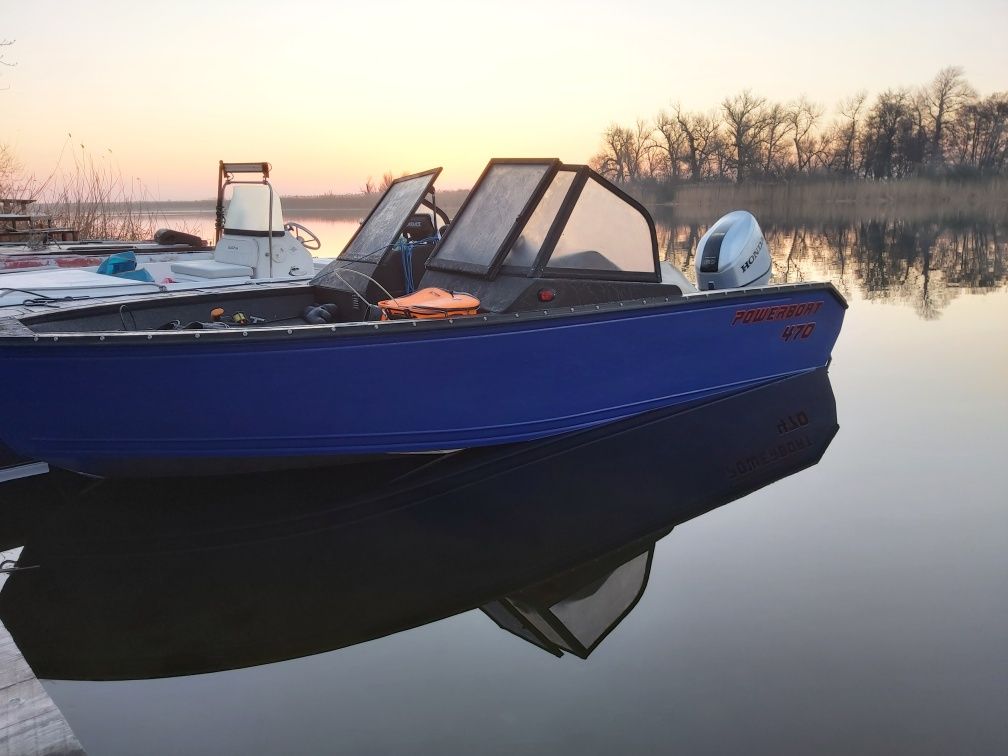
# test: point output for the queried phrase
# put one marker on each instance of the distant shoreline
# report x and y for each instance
(351, 204)
(802, 200)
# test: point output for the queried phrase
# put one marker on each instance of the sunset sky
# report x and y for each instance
(332, 94)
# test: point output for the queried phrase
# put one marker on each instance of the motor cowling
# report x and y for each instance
(733, 254)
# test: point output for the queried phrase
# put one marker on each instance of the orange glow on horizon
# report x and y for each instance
(342, 94)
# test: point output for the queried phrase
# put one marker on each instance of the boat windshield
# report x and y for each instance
(604, 233)
(574, 612)
(488, 220)
(526, 248)
(546, 218)
(383, 225)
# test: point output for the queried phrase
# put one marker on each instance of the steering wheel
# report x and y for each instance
(313, 239)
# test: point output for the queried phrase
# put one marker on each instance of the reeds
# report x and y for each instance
(93, 197)
(819, 201)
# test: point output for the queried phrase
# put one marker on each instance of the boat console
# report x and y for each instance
(255, 242)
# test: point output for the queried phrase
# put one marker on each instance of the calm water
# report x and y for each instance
(816, 567)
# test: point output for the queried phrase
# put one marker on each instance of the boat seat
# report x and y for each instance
(211, 269)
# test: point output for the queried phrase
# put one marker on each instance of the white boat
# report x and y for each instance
(83, 254)
(29, 240)
(253, 245)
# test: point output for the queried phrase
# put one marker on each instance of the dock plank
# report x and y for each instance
(30, 723)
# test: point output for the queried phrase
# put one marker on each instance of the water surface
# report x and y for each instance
(718, 586)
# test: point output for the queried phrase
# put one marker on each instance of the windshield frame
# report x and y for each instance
(540, 267)
(584, 175)
(432, 173)
(491, 269)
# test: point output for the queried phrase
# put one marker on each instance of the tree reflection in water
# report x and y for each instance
(924, 265)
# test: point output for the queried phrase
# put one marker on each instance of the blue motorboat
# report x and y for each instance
(187, 577)
(542, 309)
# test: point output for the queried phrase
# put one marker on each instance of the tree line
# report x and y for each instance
(941, 128)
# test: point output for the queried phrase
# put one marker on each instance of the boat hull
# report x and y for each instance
(197, 406)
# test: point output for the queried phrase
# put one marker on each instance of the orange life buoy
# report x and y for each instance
(429, 303)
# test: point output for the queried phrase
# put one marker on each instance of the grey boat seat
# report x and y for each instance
(211, 269)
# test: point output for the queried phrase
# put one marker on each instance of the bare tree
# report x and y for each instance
(5, 43)
(701, 135)
(604, 163)
(721, 160)
(637, 148)
(670, 142)
(802, 118)
(850, 110)
(821, 150)
(980, 134)
(943, 98)
(897, 134)
(624, 151)
(774, 132)
(369, 186)
(744, 120)
(612, 158)
(14, 182)
(8, 169)
(888, 142)
(656, 165)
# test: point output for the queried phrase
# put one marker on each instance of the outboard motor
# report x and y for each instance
(419, 227)
(733, 254)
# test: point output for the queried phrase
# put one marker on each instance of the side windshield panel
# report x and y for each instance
(604, 233)
(483, 225)
(526, 247)
(386, 219)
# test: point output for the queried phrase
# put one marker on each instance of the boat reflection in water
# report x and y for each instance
(553, 540)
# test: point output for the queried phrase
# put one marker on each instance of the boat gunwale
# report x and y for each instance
(19, 332)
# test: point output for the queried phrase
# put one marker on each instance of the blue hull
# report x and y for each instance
(109, 408)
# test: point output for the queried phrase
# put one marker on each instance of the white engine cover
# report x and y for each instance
(733, 254)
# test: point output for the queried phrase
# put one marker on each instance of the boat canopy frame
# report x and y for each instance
(540, 267)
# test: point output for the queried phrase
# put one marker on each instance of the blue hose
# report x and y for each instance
(407, 262)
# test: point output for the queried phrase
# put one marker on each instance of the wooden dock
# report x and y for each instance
(19, 226)
(30, 723)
